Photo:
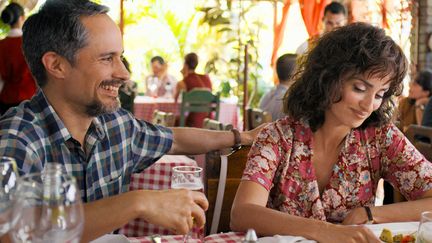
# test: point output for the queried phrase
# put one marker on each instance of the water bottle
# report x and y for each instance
(250, 237)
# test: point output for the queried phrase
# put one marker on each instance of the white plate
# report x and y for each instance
(396, 228)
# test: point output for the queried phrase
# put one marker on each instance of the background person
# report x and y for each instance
(411, 108)
(321, 164)
(334, 16)
(165, 82)
(272, 100)
(127, 91)
(192, 80)
(18, 84)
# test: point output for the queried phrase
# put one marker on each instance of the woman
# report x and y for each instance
(18, 84)
(192, 80)
(411, 108)
(321, 164)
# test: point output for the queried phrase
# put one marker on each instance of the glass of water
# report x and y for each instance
(424, 234)
(8, 180)
(48, 208)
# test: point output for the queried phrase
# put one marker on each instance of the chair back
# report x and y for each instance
(255, 117)
(222, 187)
(211, 124)
(421, 138)
(199, 100)
(166, 119)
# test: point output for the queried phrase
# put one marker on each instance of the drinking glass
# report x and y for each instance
(153, 85)
(48, 208)
(188, 177)
(8, 179)
(424, 234)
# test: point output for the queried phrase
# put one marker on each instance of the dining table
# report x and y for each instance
(404, 228)
(144, 106)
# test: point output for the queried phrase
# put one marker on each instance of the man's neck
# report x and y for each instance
(76, 122)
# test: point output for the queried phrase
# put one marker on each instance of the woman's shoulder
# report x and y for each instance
(288, 127)
(383, 133)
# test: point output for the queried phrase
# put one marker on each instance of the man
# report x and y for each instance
(334, 17)
(165, 83)
(74, 51)
(427, 114)
(272, 101)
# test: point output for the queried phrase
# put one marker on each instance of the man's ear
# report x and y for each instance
(55, 65)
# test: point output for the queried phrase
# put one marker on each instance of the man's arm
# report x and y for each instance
(174, 209)
(198, 141)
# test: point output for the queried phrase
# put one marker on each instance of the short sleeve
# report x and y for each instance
(403, 165)
(264, 157)
(149, 143)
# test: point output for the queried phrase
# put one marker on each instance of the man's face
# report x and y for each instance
(156, 67)
(332, 21)
(92, 83)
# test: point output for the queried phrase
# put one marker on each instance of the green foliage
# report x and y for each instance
(4, 29)
(223, 24)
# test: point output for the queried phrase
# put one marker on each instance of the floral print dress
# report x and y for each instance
(280, 161)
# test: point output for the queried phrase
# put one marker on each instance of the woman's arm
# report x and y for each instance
(249, 211)
(396, 212)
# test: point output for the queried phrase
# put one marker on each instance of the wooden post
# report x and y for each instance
(245, 85)
(121, 18)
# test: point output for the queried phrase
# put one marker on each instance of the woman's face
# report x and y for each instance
(360, 96)
(416, 91)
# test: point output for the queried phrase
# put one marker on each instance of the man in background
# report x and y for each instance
(160, 83)
(272, 101)
(335, 16)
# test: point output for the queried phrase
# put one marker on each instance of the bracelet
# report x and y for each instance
(421, 107)
(237, 140)
(369, 215)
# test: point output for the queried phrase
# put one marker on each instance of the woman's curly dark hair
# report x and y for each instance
(354, 49)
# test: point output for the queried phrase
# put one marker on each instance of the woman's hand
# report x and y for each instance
(347, 234)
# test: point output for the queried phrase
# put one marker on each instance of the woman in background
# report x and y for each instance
(192, 80)
(18, 83)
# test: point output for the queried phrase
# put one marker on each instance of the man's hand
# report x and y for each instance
(248, 137)
(178, 210)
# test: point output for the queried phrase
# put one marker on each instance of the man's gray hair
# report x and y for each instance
(56, 27)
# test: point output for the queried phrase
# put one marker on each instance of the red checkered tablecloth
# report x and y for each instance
(144, 106)
(156, 177)
(231, 237)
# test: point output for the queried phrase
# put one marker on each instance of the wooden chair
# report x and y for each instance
(421, 138)
(255, 117)
(222, 187)
(166, 119)
(199, 100)
(216, 125)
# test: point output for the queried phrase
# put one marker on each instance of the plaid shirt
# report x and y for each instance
(116, 146)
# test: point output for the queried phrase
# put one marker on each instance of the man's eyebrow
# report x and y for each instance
(110, 53)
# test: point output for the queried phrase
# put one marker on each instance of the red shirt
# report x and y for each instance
(19, 84)
(194, 80)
